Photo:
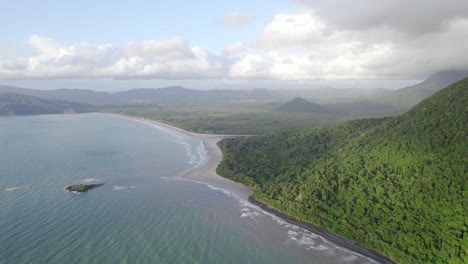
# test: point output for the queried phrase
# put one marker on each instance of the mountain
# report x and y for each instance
(168, 96)
(405, 98)
(19, 104)
(299, 104)
(396, 185)
(331, 95)
(400, 101)
(70, 95)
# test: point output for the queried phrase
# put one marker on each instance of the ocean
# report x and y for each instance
(144, 213)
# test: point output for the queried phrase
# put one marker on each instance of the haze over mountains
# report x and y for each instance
(399, 101)
(377, 102)
(19, 104)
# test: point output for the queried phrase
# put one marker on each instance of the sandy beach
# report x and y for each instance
(206, 172)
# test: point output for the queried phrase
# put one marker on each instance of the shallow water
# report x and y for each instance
(143, 214)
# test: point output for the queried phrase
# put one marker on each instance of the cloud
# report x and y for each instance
(236, 19)
(327, 40)
(292, 30)
(152, 59)
(234, 48)
(412, 17)
(303, 46)
(250, 67)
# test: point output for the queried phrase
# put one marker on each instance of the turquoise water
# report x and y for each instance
(143, 213)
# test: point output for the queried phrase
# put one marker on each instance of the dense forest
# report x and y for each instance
(19, 104)
(396, 185)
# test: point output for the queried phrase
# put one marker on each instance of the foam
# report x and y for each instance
(250, 214)
(224, 191)
(350, 258)
(89, 180)
(305, 240)
(9, 189)
(172, 132)
(319, 247)
(198, 156)
(118, 188)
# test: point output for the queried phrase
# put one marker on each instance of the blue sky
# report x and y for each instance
(118, 22)
(116, 45)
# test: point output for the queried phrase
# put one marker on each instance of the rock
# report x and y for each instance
(79, 188)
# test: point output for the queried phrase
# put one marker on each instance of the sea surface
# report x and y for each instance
(144, 213)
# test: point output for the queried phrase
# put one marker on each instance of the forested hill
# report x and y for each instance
(299, 104)
(19, 104)
(396, 185)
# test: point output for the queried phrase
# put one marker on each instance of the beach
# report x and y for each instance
(205, 173)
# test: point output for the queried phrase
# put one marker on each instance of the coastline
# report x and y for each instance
(323, 232)
(206, 173)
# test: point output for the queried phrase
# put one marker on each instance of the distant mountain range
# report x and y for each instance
(170, 96)
(355, 102)
(19, 104)
(400, 101)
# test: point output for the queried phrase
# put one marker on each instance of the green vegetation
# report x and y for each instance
(232, 119)
(257, 111)
(299, 104)
(396, 185)
(19, 104)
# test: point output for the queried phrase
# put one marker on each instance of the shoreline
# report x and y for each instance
(325, 233)
(206, 173)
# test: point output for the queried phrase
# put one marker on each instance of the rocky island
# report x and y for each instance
(79, 188)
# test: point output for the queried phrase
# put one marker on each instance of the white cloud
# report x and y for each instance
(234, 48)
(355, 41)
(292, 30)
(304, 47)
(413, 17)
(236, 19)
(153, 59)
(251, 66)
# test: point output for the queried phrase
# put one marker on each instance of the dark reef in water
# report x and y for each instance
(79, 188)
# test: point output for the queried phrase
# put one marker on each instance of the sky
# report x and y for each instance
(242, 44)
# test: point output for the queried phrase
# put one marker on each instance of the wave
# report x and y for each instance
(170, 131)
(300, 236)
(249, 214)
(197, 154)
(9, 189)
(119, 188)
(89, 180)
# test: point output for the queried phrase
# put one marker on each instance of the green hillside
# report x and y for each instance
(299, 104)
(396, 185)
(18, 104)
